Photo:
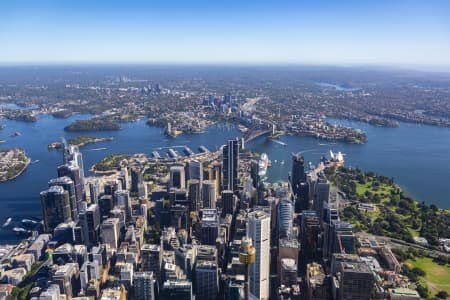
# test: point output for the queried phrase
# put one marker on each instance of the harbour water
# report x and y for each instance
(416, 156)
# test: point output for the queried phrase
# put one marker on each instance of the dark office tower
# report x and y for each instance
(143, 283)
(136, 179)
(77, 157)
(72, 171)
(285, 218)
(66, 152)
(89, 223)
(254, 169)
(210, 226)
(298, 172)
(310, 230)
(195, 170)
(67, 184)
(330, 218)
(228, 202)
(94, 191)
(207, 280)
(177, 177)
(194, 195)
(231, 165)
(209, 194)
(322, 196)
(302, 199)
(343, 238)
(110, 187)
(356, 281)
(151, 259)
(176, 289)
(55, 207)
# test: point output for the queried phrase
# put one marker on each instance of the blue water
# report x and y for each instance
(416, 156)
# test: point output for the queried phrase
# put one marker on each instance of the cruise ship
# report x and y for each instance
(263, 164)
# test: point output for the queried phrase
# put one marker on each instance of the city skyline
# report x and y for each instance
(401, 33)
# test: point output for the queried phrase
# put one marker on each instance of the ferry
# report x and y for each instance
(263, 164)
(29, 222)
(8, 221)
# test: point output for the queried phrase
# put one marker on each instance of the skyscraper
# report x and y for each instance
(151, 259)
(195, 170)
(73, 171)
(55, 207)
(209, 194)
(89, 224)
(143, 286)
(310, 230)
(298, 172)
(356, 281)
(110, 232)
(207, 280)
(136, 179)
(210, 226)
(258, 229)
(231, 165)
(177, 177)
(322, 196)
(67, 184)
(285, 218)
(228, 202)
(194, 195)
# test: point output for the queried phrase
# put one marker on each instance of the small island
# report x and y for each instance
(94, 124)
(12, 163)
(80, 141)
(62, 114)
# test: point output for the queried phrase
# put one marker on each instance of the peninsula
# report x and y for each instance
(12, 163)
(80, 141)
(94, 124)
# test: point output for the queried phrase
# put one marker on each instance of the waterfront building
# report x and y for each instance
(73, 171)
(55, 207)
(67, 184)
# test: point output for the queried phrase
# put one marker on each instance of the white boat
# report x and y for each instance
(262, 164)
(8, 221)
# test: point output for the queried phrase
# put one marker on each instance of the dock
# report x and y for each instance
(188, 151)
(203, 149)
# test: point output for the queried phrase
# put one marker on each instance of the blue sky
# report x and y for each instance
(402, 32)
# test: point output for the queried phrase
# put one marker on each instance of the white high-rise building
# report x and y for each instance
(258, 229)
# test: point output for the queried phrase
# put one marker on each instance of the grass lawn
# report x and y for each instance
(384, 190)
(437, 276)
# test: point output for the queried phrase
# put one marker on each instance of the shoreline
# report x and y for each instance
(27, 163)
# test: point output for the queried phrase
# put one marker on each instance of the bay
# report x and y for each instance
(416, 156)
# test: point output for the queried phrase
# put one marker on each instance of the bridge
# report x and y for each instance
(259, 128)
